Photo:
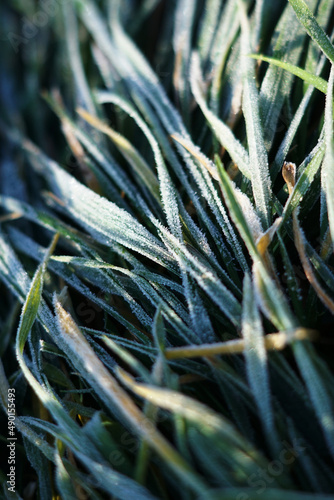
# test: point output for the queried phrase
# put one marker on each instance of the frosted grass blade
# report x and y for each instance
(183, 27)
(271, 298)
(222, 131)
(256, 362)
(313, 28)
(84, 95)
(166, 186)
(206, 278)
(86, 361)
(306, 174)
(322, 402)
(328, 164)
(314, 80)
(208, 28)
(258, 159)
(277, 85)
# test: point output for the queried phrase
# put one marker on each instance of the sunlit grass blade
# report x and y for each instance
(314, 80)
(182, 255)
(86, 361)
(271, 341)
(30, 308)
(84, 95)
(63, 479)
(208, 28)
(207, 420)
(226, 34)
(328, 165)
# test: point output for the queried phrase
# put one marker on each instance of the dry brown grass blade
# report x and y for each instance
(272, 341)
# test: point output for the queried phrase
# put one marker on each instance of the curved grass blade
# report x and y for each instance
(223, 133)
(63, 479)
(183, 28)
(87, 362)
(59, 265)
(206, 278)
(208, 420)
(167, 188)
(290, 135)
(130, 152)
(103, 218)
(226, 34)
(30, 308)
(314, 80)
(306, 174)
(208, 28)
(84, 95)
(113, 482)
(104, 476)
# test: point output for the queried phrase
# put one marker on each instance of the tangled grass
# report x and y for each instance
(166, 248)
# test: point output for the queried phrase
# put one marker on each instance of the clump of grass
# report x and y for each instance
(168, 294)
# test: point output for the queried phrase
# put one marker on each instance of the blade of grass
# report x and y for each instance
(313, 28)
(257, 363)
(223, 133)
(258, 159)
(328, 164)
(208, 420)
(86, 361)
(314, 80)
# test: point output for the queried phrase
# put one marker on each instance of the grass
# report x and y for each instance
(166, 249)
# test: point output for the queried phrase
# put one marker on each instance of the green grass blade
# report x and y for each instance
(86, 361)
(276, 86)
(222, 131)
(166, 185)
(256, 362)
(328, 164)
(31, 305)
(183, 31)
(258, 159)
(206, 278)
(208, 421)
(313, 28)
(319, 394)
(306, 174)
(270, 296)
(316, 81)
